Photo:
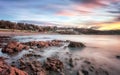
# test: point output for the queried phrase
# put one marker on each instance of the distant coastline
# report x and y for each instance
(12, 28)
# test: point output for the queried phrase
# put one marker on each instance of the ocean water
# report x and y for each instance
(99, 57)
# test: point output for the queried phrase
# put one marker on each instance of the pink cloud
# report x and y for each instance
(81, 9)
(85, 7)
(66, 13)
(89, 5)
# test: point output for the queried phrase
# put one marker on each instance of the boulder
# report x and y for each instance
(76, 44)
(13, 47)
(118, 57)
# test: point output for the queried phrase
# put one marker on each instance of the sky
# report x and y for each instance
(97, 14)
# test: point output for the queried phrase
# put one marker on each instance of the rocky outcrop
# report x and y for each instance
(5, 69)
(42, 44)
(76, 44)
(32, 67)
(54, 64)
(13, 47)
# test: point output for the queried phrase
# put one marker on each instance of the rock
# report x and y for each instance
(101, 71)
(53, 64)
(15, 71)
(87, 62)
(85, 72)
(71, 62)
(5, 69)
(57, 40)
(118, 57)
(13, 47)
(76, 44)
(42, 44)
(32, 67)
(32, 55)
(91, 68)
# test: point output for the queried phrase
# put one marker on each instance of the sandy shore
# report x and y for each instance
(2, 33)
(17, 33)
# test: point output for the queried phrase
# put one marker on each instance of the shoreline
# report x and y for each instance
(12, 34)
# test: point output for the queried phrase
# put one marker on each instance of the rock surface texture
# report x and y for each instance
(5, 69)
(76, 44)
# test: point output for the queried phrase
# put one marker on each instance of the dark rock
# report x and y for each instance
(87, 62)
(118, 57)
(71, 62)
(76, 44)
(85, 72)
(91, 68)
(32, 55)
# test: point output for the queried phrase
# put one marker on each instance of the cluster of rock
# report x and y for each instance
(26, 66)
(34, 67)
(5, 69)
(42, 44)
(31, 67)
(13, 46)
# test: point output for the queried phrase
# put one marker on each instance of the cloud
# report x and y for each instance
(66, 13)
(87, 7)
(116, 8)
(81, 9)
(117, 18)
(75, 12)
(91, 3)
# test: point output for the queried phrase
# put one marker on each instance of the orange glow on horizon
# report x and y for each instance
(110, 26)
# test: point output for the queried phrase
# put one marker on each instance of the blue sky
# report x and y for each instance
(64, 12)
